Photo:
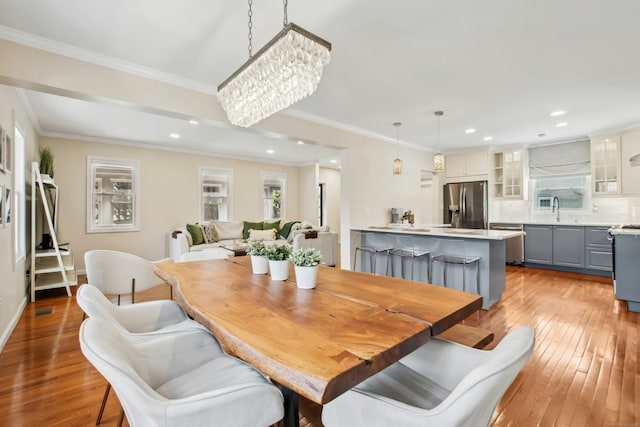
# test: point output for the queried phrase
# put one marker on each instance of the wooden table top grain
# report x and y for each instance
(320, 342)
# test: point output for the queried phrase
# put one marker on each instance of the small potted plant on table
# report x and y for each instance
(305, 261)
(258, 253)
(278, 256)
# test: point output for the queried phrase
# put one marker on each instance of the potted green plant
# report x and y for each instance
(278, 256)
(306, 261)
(46, 162)
(258, 253)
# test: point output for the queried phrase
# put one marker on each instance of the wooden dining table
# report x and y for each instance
(316, 343)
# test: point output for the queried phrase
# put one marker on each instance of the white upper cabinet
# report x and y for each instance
(471, 164)
(605, 164)
(508, 173)
(630, 160)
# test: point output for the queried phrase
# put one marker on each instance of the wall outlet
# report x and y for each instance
(367, 210)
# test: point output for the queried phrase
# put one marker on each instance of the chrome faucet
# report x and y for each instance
(556, 202)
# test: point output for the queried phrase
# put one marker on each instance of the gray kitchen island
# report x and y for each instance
(488, 245)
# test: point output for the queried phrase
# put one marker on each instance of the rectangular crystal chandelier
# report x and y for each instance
(284, 71)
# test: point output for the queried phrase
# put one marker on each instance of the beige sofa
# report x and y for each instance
(180, 240)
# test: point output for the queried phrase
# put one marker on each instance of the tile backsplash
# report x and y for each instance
(605, 210)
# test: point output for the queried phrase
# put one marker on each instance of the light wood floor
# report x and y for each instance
(584, 370)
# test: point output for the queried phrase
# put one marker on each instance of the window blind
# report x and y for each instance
(568, 158)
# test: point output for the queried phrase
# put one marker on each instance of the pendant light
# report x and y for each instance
(397, 163)
(438, 158)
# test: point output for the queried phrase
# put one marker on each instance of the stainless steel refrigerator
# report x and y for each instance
(465, 204)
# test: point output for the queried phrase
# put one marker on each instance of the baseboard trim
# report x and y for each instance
(12, 325)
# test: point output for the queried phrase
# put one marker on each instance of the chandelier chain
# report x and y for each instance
(250, 26)
(397, 125)
(286, 20)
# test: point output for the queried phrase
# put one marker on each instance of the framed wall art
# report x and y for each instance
(2, 137)
(7, 205)
(2, 206)
(7, 152)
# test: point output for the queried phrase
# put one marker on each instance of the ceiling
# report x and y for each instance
(498, 66)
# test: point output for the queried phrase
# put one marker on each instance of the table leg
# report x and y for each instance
(291, 415)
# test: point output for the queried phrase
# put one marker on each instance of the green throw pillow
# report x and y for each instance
(196, 233)
(269, 225)
(250, 226)
(286, 229)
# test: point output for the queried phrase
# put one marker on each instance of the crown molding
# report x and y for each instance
(84, 55)
(24, 100)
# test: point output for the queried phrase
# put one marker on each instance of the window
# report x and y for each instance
(215, 200)
(112, 195)
(571, 191)
(19, 201)
(273, 195)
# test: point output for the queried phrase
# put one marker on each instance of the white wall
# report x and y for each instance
(13, 286)
(369, 188)
(169, 194)
(308, 196)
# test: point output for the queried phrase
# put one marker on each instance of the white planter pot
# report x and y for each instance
(279, 270)
(259, 264)
(306, 276)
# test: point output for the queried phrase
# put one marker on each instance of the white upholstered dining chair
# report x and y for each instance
(441, 384)
(142, 319)
(120, 273)
(180, 379)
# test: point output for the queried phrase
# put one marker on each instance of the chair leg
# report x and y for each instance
(355, 257)
(133, 290)
(478, 277)
(412, 258)
(430, 271)
(444, 274)
(373, 262)
(104, 403)
(464, 281)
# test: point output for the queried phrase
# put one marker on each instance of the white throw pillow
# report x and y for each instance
(229, 230)
(269, 234)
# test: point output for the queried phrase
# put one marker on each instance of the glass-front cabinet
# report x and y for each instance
(508, 173)
(605, 164)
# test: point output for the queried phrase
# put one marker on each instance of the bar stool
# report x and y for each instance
(374, 246)
(448, 259)
(413, 254)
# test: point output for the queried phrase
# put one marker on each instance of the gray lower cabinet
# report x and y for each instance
(568, 246)
(598, 251)
(538, 244)
(577, 247)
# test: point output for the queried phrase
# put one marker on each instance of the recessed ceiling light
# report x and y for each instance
(487, 138)
(333, 161)
(270, 151)
(470, 130)
(193, 122)
(561, 124)
(557, 113)
(174, 135)
(300, 142)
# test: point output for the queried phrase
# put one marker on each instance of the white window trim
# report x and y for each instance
(220, 171)
(586, 210)
(135, 164)
(283, 200)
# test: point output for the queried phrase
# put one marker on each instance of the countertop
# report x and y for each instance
(625, 231)
(551, 222)
(443, 232)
